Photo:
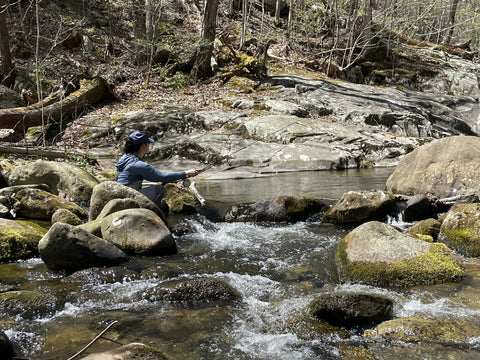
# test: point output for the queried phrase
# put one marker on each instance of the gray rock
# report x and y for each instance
(126, 352)
(356, 207)
(138, 231)
(10, 98)
(6, 347)
(351, 309)
(282, 208)
(378, 254)
(39, 204)
(118, 204)
(443, 168)
(418, 207)
(65, 247)
(64, 179)
(109, 190)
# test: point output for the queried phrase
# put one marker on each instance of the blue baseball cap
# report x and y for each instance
(139, 137)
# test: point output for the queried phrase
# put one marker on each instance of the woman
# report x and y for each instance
(132, 170)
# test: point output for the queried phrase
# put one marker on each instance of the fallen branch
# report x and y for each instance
(22, 118)
(50, 154)
(93, 341)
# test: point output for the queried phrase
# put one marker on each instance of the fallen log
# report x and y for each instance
(21, 118)
(45, 153)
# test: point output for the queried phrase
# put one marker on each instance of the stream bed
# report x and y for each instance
(278, 269)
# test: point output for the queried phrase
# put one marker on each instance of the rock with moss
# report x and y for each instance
(64, 179)
(132, 351)
(181, 200)
(355, 207)
(459, 229)
(425, 330)
(428, 227)
(39, 204)
(378, 254)
(443, 168)
(279, 209)
(70, 248)
(195, 290)
(109, 190)
(351, 309)
(65, 216)
(19, 239)
(27, 304)
(138, 231)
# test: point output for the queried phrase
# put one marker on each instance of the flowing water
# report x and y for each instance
(277, 269)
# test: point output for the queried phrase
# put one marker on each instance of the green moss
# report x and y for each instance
(19, 239)
(147, 353)
(437, 266)
(464, 240)
(180, 200)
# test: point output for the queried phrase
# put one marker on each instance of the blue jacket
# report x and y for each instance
(131, 169)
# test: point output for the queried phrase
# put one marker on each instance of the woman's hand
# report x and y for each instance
(192, 172)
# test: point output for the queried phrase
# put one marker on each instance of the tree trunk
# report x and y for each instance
(20, 119)
(453, 12)
(201, 67)
(7, 64)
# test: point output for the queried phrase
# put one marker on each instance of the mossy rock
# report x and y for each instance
(181, 200)
(66, 216)
(377, 254)
(19, 239)
(417, 329)
(460, 229)
(429, 227)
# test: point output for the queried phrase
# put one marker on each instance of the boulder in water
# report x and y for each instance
(282, 208)
(19, 239)
(70, 248)
(376, 253)
(138, 231)
(356, 207)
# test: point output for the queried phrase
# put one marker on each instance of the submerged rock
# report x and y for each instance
(138, 231)
(27, 304)
(376, 253)
(282, 208)
(459, 229)
(65, 247)
(19, 239)
(356, 207)
(416, 329)
(196, 290)
(128, 352)
(351, 309)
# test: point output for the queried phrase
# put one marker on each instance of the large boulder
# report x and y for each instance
(351, 309)
(459, 229)
(425, 330)
(64, 179)
(109, 190)
(39, 204)
(282, 208)
(356, 207)
(128, 352)
(19, 239)
(6, 347)
(443, 168)
(378, 254)
(10, 98)
(138, 231)
(65, 247)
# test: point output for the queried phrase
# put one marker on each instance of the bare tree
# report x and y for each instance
(453, 12)
(201, 67)
(7, 64)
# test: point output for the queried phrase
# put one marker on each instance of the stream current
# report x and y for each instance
(278, 269)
